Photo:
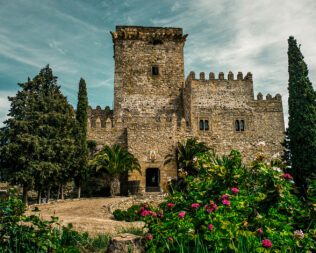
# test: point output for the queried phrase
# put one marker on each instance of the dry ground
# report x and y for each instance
(86, 215)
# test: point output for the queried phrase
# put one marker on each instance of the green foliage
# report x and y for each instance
(38, 143)
(131, 214)
(302, 119)
(115, 161)
(81, 170)
(19, 233)
(132, 230)
(92, 145)
(185, 152)
(263, 200)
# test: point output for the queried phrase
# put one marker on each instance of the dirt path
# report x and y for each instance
(86, 215)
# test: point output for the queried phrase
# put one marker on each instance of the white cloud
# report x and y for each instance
(4, 105)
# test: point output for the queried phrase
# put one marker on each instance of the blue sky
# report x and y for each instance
(73, 37)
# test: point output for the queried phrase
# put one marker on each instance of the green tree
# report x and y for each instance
(115, 161)
(81, 168)
(185, 153)
(38, 143)
(302, 119)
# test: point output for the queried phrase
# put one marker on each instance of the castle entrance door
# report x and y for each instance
(152, 180)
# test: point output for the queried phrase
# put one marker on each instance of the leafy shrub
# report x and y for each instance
(19, 233)
(131, 214)
(232, 208)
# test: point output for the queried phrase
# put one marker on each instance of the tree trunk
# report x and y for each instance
(58, 192)
(62, 192)
(48, 194)
(79, 191)
(115, 186)
(24, 198)
(39, 196)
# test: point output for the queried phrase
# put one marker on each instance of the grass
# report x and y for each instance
(132, 230)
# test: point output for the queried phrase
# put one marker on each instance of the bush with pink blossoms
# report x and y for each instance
(266, 243)
(246, 209)
(195, 205)
(235, 190)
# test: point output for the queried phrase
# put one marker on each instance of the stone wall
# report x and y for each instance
(223, 101)
(137, 91)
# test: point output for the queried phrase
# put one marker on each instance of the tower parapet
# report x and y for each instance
(151, 34)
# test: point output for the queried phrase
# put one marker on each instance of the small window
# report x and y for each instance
(237, 125)
(201, 125)
(242, 125)
(206, 125)
(155, 71)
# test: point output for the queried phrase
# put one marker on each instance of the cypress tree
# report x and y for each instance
(39, 144)
(302, 119)
(82, 148)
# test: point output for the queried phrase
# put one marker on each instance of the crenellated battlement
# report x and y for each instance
(148, 33)
(106, 121)
(221, 76)
(98, 116)
(269, 97)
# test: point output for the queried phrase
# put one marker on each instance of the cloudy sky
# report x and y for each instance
(73, 37)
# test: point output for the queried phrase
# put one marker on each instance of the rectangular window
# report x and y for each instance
(155, 71)
(201, 125)
(206, 125)
(242, 125)
(237, 125)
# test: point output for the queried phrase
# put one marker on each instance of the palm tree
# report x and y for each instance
(185, 153)
(115, 161)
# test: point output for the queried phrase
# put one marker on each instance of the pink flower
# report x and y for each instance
(154, 214)
(226, 202)
(266, 243)
(235, 190)
(170, 205)
(259, 231)
(170, 238)
(144, 213)
(224, 196)
(299, 234)
(160, 215)
(195, 205)
(146, 206)
(141, 209)
(211, 226)
(287, 176)
(211, 207)
(149, 237)
(181, 215)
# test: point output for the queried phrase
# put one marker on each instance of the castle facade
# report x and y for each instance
(155, 106)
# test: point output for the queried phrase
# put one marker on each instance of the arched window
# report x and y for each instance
(201, 125)
(206, 125)
(237, 125)
(242, 125)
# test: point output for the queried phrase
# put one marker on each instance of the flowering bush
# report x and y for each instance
(246, 209)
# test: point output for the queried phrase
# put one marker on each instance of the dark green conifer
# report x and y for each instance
(82, 148)
(39, 142)
(302, 119)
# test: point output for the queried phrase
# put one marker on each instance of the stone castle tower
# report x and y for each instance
(154, 107)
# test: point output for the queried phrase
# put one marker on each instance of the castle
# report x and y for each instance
(155, 107)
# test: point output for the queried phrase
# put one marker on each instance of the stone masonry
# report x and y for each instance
(154, 107)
